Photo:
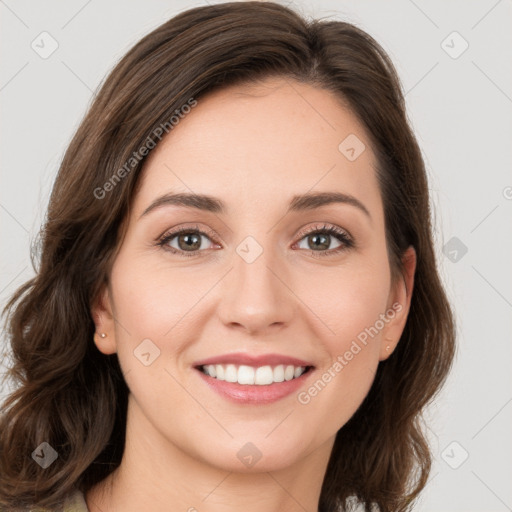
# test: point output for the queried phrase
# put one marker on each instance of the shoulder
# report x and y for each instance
(75, 503)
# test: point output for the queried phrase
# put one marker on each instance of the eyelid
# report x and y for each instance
(323, 226)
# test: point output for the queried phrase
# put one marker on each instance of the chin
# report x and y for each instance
(255, 456)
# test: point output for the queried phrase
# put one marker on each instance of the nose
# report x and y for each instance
(256, 297)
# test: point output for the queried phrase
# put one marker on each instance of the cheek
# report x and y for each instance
(353, 311)
(347, 301)
(152, 303)
(151, 300)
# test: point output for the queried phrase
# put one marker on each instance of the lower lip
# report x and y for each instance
(254, 394)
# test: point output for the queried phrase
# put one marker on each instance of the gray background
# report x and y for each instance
(460, 108)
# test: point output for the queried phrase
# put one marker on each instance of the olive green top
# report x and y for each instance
(75, 503)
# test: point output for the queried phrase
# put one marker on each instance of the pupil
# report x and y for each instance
(324, 243)
(189, 243)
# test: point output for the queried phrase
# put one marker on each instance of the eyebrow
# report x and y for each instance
(298, 203)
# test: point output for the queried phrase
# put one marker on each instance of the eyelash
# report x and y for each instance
(340, 234)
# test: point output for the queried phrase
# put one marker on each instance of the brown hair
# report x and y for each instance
(74, 397)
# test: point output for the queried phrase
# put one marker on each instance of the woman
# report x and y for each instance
(237, 303)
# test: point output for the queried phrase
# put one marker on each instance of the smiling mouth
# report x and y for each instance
(249, 375)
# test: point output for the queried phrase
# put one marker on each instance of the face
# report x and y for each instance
(260, 280)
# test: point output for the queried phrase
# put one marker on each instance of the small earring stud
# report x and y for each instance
(388, 347)
(103, 335)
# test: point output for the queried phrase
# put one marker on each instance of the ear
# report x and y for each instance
(101, 311)
(399, 304)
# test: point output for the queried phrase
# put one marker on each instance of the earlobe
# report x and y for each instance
(101, 311)
(388, 346)
(104, 343)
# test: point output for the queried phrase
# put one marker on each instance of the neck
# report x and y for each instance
(157, 475)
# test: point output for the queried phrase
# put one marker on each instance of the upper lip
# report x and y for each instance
(253, 360)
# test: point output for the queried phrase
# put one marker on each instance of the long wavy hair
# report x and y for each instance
(69, 394)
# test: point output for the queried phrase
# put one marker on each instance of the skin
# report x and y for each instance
(253, 147)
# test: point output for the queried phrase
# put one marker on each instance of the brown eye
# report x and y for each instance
(318, 241)
(186, 241)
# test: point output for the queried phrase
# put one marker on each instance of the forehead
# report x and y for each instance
(263, 143)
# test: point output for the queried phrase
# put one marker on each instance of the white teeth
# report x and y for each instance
(279, 373)
(231, 373)
(219, 369)
(264, 376)
(245, 375)
(248, 375)
(288, 373)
